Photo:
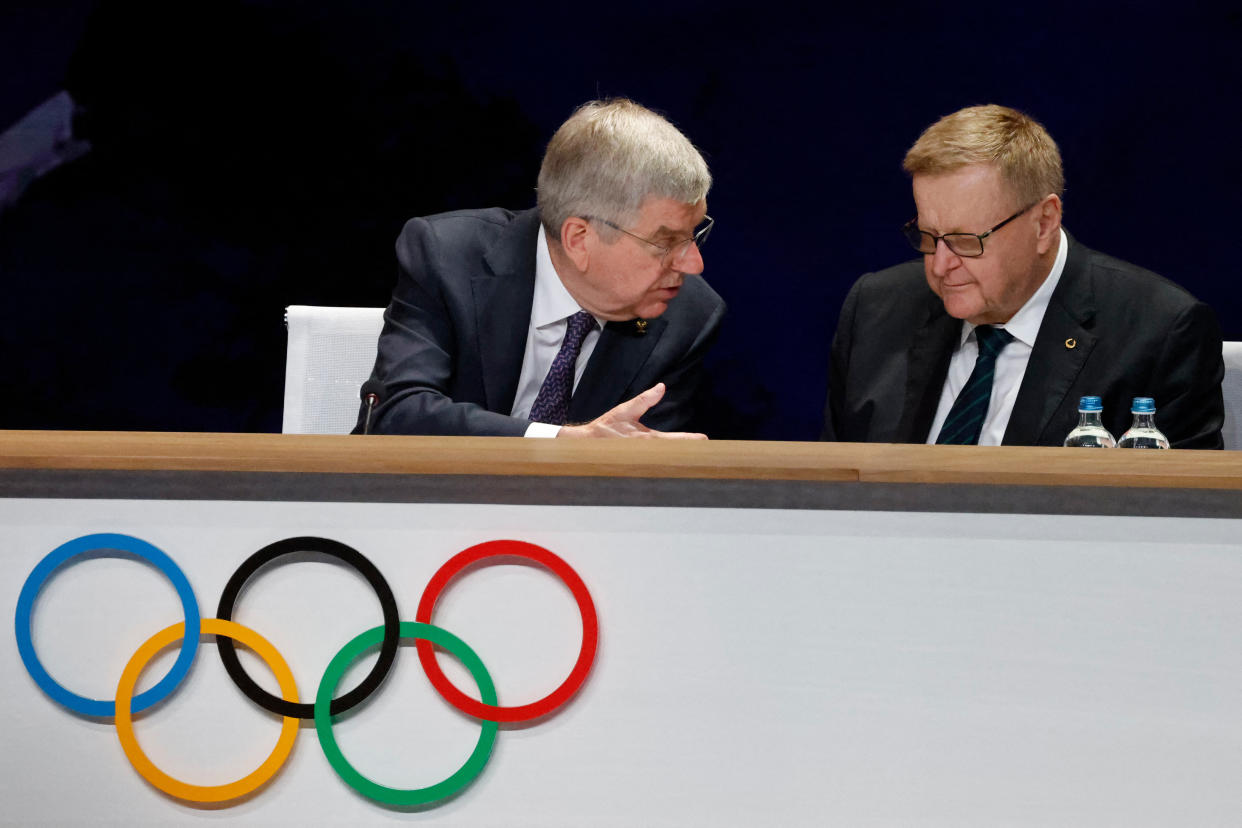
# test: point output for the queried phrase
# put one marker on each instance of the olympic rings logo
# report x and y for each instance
(326, 705)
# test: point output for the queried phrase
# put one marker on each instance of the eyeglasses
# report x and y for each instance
(969, 245)
(672, 256)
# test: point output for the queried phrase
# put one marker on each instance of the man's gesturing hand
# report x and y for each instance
(622, 421)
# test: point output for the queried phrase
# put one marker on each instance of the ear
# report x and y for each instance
(577, 239)
(1048, 213)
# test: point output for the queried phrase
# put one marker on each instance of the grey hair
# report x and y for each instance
(609, 157)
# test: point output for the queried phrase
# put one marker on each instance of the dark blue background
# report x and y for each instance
(251, 155)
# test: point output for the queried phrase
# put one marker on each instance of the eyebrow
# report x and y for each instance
(675, 233)
(936, 231)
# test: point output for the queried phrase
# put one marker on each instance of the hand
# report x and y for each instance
(622, 421)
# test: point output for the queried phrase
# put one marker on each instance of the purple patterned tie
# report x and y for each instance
(552, 404)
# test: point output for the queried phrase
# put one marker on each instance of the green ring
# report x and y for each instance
(404, 796)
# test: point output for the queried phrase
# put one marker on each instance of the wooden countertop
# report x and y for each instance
(720, 460)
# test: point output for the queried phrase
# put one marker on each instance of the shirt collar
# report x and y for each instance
(1025, 323)
(552, 303)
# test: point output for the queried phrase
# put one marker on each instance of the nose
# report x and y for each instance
(691, 261)
(944, 259)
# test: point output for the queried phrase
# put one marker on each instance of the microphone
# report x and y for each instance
(371, 391)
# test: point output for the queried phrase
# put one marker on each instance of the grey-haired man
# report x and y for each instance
(585, 317)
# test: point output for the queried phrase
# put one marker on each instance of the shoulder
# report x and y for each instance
(896, 294)
(907, 279)
(469, 242)
(1115, 273)
(1124, 288)
(460, 226)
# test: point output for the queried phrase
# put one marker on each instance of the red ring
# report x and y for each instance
(586, 607)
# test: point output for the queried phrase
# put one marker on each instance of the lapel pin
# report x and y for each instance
(1071, 343)
(640, 326)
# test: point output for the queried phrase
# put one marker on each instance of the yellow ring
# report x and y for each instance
(184, 790)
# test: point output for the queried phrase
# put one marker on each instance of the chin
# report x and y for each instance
(651, 311)
(960, 309)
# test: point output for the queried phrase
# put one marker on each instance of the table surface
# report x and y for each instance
(654, 459)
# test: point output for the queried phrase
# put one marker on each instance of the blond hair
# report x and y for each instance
(610, 156)
(1019, 146)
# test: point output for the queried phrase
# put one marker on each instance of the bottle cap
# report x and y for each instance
(1143, 405)
(1090, 404)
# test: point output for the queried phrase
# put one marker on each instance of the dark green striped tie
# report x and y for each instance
(965, 419)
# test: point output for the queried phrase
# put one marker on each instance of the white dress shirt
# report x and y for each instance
(1010, 364)
(550, 310)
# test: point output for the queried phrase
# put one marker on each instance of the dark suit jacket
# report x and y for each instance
(455, 332)
(1111, 329)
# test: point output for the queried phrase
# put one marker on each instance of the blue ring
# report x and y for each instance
(105, 542)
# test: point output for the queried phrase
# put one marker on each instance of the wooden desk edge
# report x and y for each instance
(719, 460)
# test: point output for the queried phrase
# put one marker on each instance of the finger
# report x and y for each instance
(635, 408)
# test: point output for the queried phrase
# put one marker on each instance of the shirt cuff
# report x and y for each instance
(542, 430)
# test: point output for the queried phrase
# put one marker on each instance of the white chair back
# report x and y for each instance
(331, 354)
(1231, 387)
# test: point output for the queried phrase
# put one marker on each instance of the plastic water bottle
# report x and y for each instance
(1090, 432)
(1144, 434)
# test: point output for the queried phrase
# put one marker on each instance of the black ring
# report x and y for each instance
(351, 556)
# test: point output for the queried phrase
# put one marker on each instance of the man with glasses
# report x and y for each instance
(1007, 320)
(585, 317)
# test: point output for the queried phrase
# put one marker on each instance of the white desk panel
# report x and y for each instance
(756, 667)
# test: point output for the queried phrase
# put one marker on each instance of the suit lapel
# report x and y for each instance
(622, 349)
(502, 301)
(1061, 349)
(927, 366)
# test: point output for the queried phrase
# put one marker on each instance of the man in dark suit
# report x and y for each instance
(582, 318)
(1007, 321)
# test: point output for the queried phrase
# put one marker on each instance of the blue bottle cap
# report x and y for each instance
(1143, 405)
(1090, 404)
